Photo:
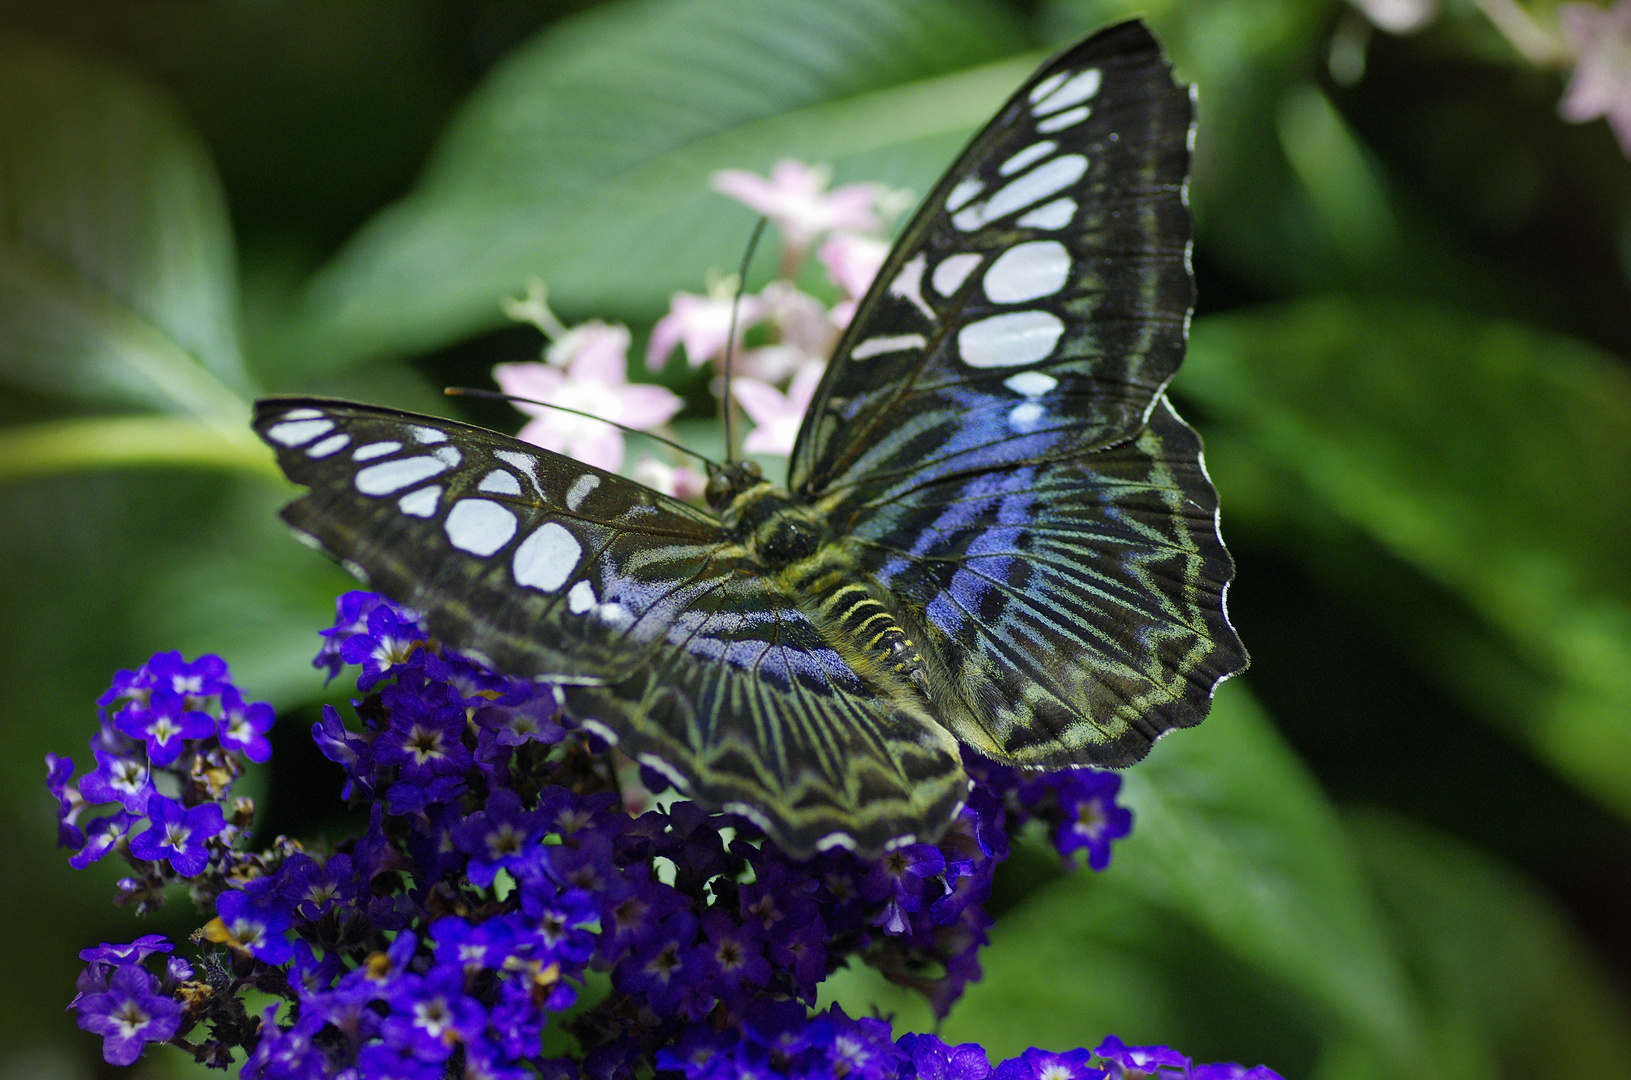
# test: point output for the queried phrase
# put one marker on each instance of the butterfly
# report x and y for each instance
(995, 534)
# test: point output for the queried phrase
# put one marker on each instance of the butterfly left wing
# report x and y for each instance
(665, 634)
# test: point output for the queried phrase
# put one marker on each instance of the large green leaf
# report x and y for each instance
(116, 263)
(1491, 456)
(585, 157)
(1231, 830)
(1502, 971)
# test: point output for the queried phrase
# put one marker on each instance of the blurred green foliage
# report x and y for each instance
(1400, 847)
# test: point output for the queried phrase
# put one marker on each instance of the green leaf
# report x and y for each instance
(585, 157)
(1499, 964)
(1230, 829)
(1489, 455)
(116, 263)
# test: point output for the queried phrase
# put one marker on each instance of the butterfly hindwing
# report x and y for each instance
(662, 630)
(1077, 603)
(992, 433)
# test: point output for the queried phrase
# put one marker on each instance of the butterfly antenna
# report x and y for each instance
(494, 395)
(730, 340)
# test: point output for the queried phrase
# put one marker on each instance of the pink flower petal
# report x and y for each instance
(853, 261)
(539, 382)
(762, 402)
(646, 406)
(597, 352)
(600, 445)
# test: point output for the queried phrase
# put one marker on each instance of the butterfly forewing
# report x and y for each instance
(1037, 303)
(992, 436)
(670, 637)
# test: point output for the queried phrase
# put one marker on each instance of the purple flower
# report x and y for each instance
(129, 1015)
(1036, 1064)
(1087, 802)
(900, 878)
(501, 837)
(102, 836)
(179, 834)
(662, 965)
(133, 953)
(58, 772)
(1159, 1062)
(351, 613)
(932, 1059)
(195, 683)
(117, 778)
(166, 725)
(392, 638)
(257, 929)
(431, 1014)
(243, 726)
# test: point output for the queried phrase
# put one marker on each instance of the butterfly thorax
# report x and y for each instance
(793, 542)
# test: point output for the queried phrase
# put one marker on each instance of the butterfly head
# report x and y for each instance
(727, 481)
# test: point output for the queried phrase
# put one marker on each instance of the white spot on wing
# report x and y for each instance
(877, 346)
(614, 614)
(595, 727)
(303, 414)
(447, 455)
(500, 482)
(479, 526)
(1047, 86)
(580, 598)
(953, 271)
(1026, 157)
(1031, 383)
(546, 558)
(526, 463)
(835, 840)
(1019, 337)
(966, 189)
(1054, 215)
(298, 432)
(1076, 90)
(580, 489)
(427, 435)
(1041, 182)
(1069, 118)
(421, 503)
(1023, 417)
(331, 445)
(374, 449)
(1028, 271)
(392, 476)
(908, 284)
(671, 774)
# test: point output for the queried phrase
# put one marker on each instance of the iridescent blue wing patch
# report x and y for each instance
(993, 436)
(666, 635)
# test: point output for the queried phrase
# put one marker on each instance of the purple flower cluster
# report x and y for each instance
(510, 861)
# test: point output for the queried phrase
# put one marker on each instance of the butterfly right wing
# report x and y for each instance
(663, 632)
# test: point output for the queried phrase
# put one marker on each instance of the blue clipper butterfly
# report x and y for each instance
(996, 531)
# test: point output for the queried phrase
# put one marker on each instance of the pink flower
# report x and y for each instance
(853, 261)
(802, 321)
(777, 416)
(703, 323)
(595, 381)
(678, 481)
(1601, 83)
(796, 199)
